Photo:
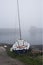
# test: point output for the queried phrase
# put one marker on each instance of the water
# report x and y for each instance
(11, 35)
(8, 35)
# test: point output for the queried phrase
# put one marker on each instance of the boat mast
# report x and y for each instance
(19, 19)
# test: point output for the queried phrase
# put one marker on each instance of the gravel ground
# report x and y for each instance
(6, 60)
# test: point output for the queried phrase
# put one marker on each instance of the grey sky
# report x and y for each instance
(31, 13)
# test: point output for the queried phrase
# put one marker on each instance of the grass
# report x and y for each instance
(28, 59)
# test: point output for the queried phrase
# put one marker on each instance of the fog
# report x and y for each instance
(31, 13)
(31, 18)
(34, 35)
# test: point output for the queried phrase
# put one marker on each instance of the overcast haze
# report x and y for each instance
(31, 13)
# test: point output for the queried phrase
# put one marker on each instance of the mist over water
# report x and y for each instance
(8, 35)
(34, 35)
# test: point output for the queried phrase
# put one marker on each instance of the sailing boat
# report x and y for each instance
(20, 46)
